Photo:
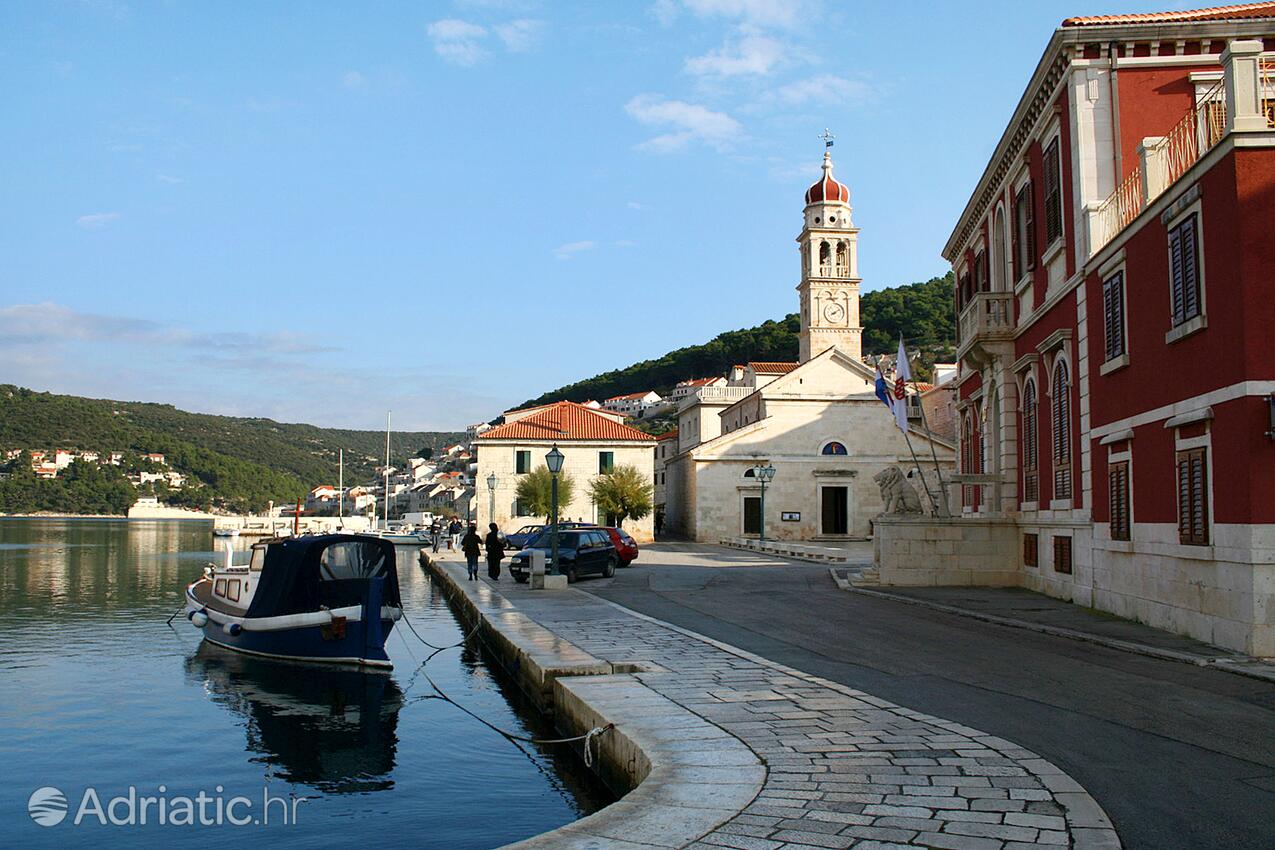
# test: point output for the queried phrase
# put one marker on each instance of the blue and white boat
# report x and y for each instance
(332, 598)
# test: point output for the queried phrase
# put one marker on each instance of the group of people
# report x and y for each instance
(473, 546)
(452, 531)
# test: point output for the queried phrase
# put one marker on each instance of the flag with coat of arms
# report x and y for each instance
(902, 374)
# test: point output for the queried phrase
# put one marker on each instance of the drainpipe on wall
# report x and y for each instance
(1115, 113)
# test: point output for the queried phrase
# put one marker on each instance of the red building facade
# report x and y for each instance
(1116, 315)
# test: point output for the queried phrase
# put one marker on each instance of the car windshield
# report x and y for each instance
(566, 540)
(529, 529)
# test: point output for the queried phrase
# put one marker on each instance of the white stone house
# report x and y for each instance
(592, 444)
(633, 405)
(817, 421)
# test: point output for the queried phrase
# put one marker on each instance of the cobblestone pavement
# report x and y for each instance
(844, 768)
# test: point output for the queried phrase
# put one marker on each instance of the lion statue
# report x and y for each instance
(897, 492)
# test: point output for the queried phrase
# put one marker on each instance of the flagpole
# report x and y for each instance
(908, 440)
(947, 509)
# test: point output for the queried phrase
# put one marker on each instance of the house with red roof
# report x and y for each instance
(593, 443)
(633, 405)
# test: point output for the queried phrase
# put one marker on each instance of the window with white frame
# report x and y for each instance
(1184, 270)
(1053, 192)
(1024, 232)
(1031, 448)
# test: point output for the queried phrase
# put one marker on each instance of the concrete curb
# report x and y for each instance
(684, 776)
(1230, 665)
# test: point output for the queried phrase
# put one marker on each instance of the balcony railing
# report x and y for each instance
(833, 271)
(727, 394)
(989, 314)
(1248, 82)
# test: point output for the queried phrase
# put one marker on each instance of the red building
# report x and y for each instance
(1116, 404)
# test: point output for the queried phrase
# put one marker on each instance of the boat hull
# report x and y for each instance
(331, 637)
(306, 644)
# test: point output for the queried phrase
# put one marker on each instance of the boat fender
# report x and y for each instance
(396, 614)
(199, 619)
(232, 629)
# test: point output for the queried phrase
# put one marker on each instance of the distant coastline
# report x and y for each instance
(56, 515)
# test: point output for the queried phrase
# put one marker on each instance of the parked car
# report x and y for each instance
(625, 546)
(523, 536)
(581, 551)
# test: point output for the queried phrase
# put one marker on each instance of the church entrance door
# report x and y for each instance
(752, 515)
(834, 510)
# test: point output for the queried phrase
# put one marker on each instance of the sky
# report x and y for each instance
(318, 212)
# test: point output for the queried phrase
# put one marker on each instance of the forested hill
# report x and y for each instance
(921, 312)
(240, 462)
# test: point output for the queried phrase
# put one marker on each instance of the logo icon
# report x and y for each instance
(47, 806)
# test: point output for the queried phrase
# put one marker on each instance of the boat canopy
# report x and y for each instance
(302, 574)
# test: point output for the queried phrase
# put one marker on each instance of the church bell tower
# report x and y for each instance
(829, 286)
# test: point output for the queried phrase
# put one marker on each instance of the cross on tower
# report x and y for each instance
(827, 137)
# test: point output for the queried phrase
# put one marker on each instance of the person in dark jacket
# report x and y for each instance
(472, 545)
(495, 552)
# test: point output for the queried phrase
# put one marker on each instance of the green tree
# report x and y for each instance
(624, 493)
(535, 491)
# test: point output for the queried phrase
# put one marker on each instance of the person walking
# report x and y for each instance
(472, 545)
(495, 552)
(453, 532)
(436, 528)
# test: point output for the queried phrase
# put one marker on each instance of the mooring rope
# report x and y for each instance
(588, 738)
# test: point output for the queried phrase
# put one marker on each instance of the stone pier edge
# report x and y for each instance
(633, 753)
(684, 775)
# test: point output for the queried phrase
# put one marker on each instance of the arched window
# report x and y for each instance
(750, 472)
(1061, 404)
(825, 258)
(969, 456)
(834, 448)
(843, 259)
(998, 252)
(1031, 446)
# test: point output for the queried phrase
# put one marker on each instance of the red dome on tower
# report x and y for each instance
(826, 189)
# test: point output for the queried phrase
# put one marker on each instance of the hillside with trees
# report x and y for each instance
(230, 462)
(921, 312)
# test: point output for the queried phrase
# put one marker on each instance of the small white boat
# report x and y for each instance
(225, 531)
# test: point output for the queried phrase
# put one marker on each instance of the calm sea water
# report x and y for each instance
(96, 692)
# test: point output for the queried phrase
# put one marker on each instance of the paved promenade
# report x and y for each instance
(843, 768)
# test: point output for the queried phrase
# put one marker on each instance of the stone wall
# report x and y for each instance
(912, 551)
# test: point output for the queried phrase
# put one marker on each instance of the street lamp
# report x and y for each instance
(492, 481)
(764, 474)
(553, 460)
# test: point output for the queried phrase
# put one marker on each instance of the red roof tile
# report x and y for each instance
(773, 368)
(667, 435)
(565, 421)
(1217, 13)
(629, 395)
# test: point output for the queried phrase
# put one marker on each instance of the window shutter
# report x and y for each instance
(1029, 191)
(1014, 244)
(1062, 434)
(1113, 314)
(1118, 480)
(1053, 193)
(1193, 510)
(1190, 270)
(1177, 284)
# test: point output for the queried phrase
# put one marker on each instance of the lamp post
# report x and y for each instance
(764, 474)
(492, 481)
(553, 460)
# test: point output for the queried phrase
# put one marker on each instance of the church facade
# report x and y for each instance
(817, 421)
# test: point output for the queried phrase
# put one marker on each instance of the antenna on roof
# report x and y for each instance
(827, 137)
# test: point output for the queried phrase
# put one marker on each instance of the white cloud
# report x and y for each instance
(636, 205)
(751, 53)
(624, 243)
(686, 123)
(96, 221)
(781, 13)
(569, 250)
(169, 179)
(353, 80)
(824, 90)
(665, 11)
(457, 41)
(521, 35)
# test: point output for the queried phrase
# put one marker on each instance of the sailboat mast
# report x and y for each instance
(340, 485)
(387, 469)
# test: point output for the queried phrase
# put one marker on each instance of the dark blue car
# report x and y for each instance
(581, 551)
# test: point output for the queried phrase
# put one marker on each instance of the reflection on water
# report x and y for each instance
(334, 729)
(97, 691)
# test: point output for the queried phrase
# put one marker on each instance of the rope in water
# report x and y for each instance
(588, 737)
